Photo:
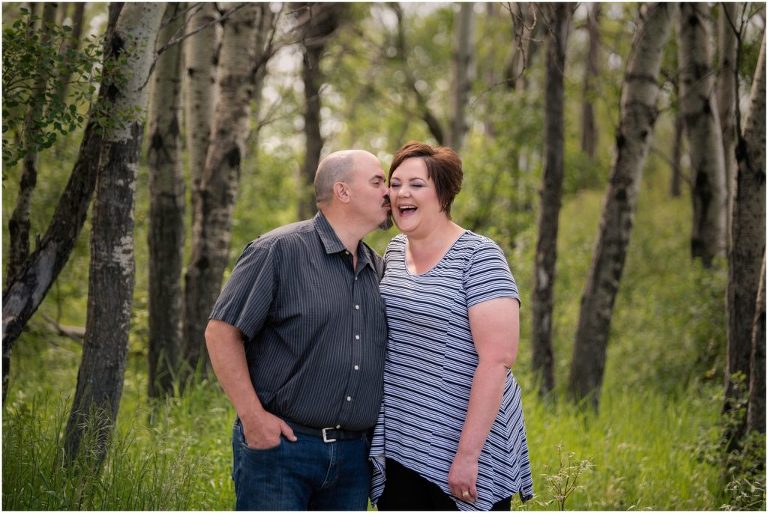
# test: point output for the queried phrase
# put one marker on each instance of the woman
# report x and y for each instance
(450, 434)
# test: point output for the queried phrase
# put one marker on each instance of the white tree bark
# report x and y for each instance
(24, 293)
(526, 35)
(240, 59)
(726, 94)
(638, 116)
(111, 276)
(166, 210)
(201, 72)
(705, 140)
(756, 401)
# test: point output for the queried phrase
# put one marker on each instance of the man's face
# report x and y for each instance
(370, 191)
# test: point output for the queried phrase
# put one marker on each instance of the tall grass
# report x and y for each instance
(640, 449)
(650, 446)
(160, 466)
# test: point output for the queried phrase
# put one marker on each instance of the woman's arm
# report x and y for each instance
(495, 330)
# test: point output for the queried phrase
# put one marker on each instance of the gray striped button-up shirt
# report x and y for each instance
(314, 328)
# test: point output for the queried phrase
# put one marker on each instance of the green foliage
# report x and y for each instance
(655, 406)
(636, 450)
(34, 71)
(176, 454)
(160, 456)
(750, 22)
(741, 456)
(662, 392)
(133, 478)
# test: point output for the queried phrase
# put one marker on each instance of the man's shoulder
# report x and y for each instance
(287, 233)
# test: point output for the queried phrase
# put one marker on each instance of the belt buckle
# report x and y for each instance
(325, 435)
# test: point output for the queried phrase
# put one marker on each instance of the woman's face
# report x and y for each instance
(415, 206)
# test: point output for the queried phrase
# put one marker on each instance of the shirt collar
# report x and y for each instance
(331, 241)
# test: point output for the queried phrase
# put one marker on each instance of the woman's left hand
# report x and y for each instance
(462, 478)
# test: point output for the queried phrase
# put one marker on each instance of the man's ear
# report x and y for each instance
(341, 191)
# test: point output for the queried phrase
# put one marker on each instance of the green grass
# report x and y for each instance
(640, 447)
(649, 447)
(640, 450)
(171, 458)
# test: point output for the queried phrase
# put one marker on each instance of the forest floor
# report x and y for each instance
(652, 445)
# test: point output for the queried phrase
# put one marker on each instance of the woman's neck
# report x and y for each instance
(436, 236)
(424, 252)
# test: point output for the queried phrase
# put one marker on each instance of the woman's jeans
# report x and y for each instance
(308, 474)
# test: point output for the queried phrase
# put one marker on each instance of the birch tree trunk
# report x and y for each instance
(557, 16)
(320, 21)
(638, 116)
(727, 74)
(756, 404)
(111, 276)
(591, 70)
(166, 210)
(747, 245)
(72, 43)
(24, 293)
(526, 30)
(423, 110)
(201, 62)
(705, 140)
(463, 66)
(19, 225)
(240, 59)
(675, 184)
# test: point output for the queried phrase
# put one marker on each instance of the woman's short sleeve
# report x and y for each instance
(488, 276)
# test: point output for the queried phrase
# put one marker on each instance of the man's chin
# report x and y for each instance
(387, 223)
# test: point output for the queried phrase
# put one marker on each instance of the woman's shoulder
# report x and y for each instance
(474, 243)
(395, 246)
(399, 239)
(398, 242)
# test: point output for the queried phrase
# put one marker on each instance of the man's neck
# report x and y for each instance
(344, 231)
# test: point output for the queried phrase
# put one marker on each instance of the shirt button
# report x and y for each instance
(357, 337)
(349, 398)
(355, 278)
(338, 426)
(357, 307)
(357, 367)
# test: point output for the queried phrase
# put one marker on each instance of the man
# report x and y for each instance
(297, 340)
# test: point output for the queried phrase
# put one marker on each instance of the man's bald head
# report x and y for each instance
(336, 167)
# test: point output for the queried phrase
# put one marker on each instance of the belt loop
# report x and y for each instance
(325, 435)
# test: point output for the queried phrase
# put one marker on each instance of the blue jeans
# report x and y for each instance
(308, 474)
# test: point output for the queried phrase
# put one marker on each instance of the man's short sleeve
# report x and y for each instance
(246, 298)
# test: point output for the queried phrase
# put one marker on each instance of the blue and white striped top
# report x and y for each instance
(431, 360)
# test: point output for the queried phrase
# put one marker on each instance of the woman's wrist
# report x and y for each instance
(467, 455)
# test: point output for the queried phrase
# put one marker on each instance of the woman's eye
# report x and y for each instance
(394, 185)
